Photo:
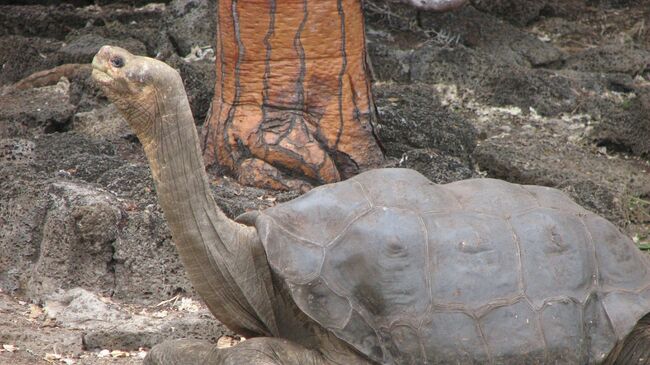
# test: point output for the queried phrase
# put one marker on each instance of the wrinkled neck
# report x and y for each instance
(172, 147)
(208, 242)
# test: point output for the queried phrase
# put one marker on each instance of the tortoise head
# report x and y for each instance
(139, 86)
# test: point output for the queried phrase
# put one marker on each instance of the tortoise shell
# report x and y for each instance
(476, 271)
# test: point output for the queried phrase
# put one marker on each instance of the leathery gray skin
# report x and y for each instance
(251, 286)
(225, 260)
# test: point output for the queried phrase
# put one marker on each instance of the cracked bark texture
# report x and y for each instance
(292, 101)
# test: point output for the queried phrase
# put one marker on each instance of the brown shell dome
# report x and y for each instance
(477, 271)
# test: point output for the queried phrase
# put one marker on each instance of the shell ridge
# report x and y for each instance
(342, 335)
(364, 315)
(540, 325)
(287, 231)
(583, 329)
(528, 192)
(446, 212)
(596, 275)
(433, 212)
(561, 299)
(319, 272)
(354, 305)
(400, 321)
(619, 336)
(481, 311)
(427, 259)
(268, 219)
(335, 289)
(364, 191)
(484, 341)
(435, 263)
(348, 316)
(333, 241)
(520, 266)
(621, 333)
(338, 294)
(423, 351)
(580, 209)
(451, 191)
(528, 210)
(532, 209)
(625, 291)
(338, 290)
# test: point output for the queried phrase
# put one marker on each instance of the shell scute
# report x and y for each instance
(359, 333)
(599, 333)
(298, 265)
(406, 342)
(320, 301)
(560, 241)
(620, 264)
(486, 248)
(563, 333)
(513, 331)
(453, 338)
(380, 264)
(626, 309)
(323, 213)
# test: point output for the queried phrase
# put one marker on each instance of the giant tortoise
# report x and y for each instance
(386, 267)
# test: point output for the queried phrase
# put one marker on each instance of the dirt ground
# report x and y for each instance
(555, 93)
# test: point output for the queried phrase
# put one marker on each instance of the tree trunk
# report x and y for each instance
(292, 95)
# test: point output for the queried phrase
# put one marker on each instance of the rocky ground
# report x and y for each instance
(547, 92)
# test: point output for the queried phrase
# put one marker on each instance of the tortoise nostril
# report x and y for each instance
(104, 52)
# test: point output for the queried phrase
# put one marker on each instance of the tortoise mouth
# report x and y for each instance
(101, 77)
(99, 73)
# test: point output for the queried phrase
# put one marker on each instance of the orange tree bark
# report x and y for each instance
(292, 96)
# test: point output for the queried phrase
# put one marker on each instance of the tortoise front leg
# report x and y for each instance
(180, 352)
(256, 351)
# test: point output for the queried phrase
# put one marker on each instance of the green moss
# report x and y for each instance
(627, 103)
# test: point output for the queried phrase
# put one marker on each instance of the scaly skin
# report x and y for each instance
(220, 255)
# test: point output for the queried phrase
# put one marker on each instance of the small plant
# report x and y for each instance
(638, 210)
(443, 38)
(638, 214)
(627, 104)
(644, 246)
(440, 37)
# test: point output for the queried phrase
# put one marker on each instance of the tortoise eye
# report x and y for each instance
(117, 62)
